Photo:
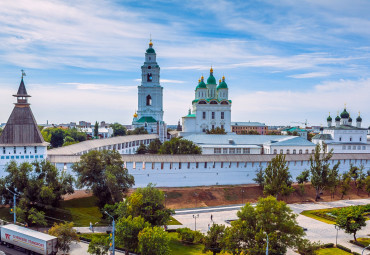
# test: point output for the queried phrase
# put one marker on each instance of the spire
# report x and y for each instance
(211, 71)
(22, 93)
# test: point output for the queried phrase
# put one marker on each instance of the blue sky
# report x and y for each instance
(284, 61)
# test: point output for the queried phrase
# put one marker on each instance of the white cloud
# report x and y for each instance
(310, 75)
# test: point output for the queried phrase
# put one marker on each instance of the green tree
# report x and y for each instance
(269, 216)
(68, 140)
(361, 182)
(320, 169)
(137, 131)
(36, 217)
(189, 236)
(65, 234)
(351, 219)
(367, 185)
(153, 147)
(57, 138)
(78, 136)
(154, 241)
(118, 129)
(213, 239)
(333, 180)
(260, 178)
(355, 172)
(217, 130)
(128, 230)
(302, 179)
(345, 184)
(104, 174)
(277, 178)
(99, 245)
(148, 203)
(96, 129)
(39, 185)
(179, 146)
(142, 149)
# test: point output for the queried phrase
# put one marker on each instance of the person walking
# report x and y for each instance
(211, 217)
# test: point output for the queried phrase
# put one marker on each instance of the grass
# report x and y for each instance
(364, 241)
(312, 214)
(331, 251)
(178, 248)
(173, 221)
(91, 235)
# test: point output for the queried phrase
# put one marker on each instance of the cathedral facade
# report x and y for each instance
(150, 97)
(211, 107)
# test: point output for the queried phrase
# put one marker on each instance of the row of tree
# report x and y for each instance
(58, 137)
(173, 146)
(276, 179)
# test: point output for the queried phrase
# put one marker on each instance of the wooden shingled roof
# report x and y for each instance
(21, 128)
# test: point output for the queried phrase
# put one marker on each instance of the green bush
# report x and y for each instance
(344, 248)
(187, 235)
(306, 247)
(356, 253)
(328, 245)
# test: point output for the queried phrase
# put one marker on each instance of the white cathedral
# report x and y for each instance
(150, 97)
(211, 107)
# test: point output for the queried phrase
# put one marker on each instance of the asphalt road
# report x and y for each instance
(9, 251)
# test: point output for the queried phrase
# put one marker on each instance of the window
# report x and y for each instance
(340, 139)
(188, 165)
(217, 150)
(213, 126)
(313, 151)
(204, 115)
(204, 130)
(179, 165)
(224, 150)
(349, 147)
(343, 147)
(275, 151)
(148, 100)
(205, 164)
(149, 77)
(197, 165)
(25, 149)
(287, 151)
(35, 149)
(364, 147)
(294, 151)
(246, 151)
(358, 147)
(360, 139)
(300, 151)
(213, 115)
(354, 147)
(350, 139)
(238, 151)
(222, 127)
(3, 150)
(15, 150)
(232, 151)
(281, 152)
(149, 67)
(222, 115)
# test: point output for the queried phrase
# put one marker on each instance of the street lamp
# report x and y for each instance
(14, 205)
(364, 249)
(336, 238)
(195, 219)
(267, 246)
(113, 230)
(242, 191)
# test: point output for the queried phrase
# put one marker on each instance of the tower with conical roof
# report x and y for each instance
(211, 107)
(21, 139)
(150, 97)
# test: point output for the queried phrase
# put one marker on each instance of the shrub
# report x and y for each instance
(328, 245)
(344, 248)
(305, 247)
(187, 235)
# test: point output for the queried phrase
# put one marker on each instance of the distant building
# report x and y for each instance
(289, 131)
(102, 132)
(245, 127)
(343, 137)
(211, 107)
(21, 139)
(150, 97)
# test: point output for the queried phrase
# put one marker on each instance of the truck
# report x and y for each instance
(34, 242)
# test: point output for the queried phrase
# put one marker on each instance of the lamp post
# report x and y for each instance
(336, 237)
(362, 253)
(113, 230)
(195, 219)
(267, 246)
(242, 191)
(14, 205)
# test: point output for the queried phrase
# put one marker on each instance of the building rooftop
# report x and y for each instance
(77, 148)
(345, 127)
(250, 124)
(323, 137)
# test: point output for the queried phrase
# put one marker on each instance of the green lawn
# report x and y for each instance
(313, 214)
(331, 251)
(178, 248)
(173, 221)
(364, 241)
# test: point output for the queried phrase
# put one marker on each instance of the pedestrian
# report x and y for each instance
(91, 227)
(209, 227)
(211, 217)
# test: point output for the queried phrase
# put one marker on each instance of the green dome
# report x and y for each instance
(359, 119)
(150, 50)
(337, 118)
(223, 84)
(329, 118)
(344, 114)
(211, 79)
(350, 119)
(201, 84)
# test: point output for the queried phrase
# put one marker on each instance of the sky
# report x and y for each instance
(284, 61)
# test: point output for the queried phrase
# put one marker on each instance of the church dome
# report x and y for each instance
(359, 119)
(329, 118)
(344, 114)
(211, 79)
(201, 84)
(223, 84)
(150, 49)
(337, 118)
(135, 115)
(350, 119)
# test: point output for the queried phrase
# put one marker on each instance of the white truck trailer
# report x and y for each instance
(34, 242)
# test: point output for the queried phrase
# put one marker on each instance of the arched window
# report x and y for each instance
(202, 102)
(275, 151)
(340, 139)
(306, 151)
(148, 100)
(350, 139)
(213, 102)
(287, 151)
(300, 151)
(149, 77)
(224, 102)
(149, 67)
(294, 151)
(281, 152)
(360, 139)
(313, 151)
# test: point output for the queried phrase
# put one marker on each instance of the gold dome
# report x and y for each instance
(135, 115)
(150, 43)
